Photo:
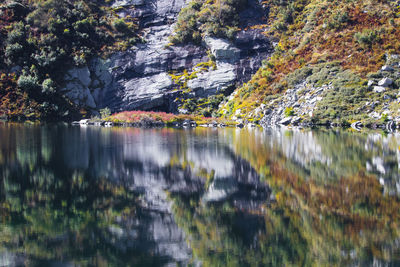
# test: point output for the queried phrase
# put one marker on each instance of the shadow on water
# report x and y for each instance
(154, 197)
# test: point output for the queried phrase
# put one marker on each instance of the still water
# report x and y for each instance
(83, 196)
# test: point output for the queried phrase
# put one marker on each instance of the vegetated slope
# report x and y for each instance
(326, 66)
(40, 40)
(219, 18)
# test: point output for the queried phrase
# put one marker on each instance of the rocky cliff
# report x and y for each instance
(140, 78)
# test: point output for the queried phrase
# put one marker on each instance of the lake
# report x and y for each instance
(90, 196)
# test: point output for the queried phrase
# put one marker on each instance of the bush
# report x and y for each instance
(28, 83)
(17, 34)
(216, 18)
(338, 20)
(14, 52)
(121, 26)
(48, 87)
(366, 37)
(298, 76)
(206, 113)
(289, 112)
(105, 113)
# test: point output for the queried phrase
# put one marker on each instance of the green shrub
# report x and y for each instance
(48, 87)
(367, 37)
(105, 113)
(289, 112)
(298, 76)
(120, 25)
(385, 118)
(217, 18)
(338, 20)
(28, 83)
(206, 113)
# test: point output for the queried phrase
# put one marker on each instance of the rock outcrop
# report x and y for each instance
(139, 77)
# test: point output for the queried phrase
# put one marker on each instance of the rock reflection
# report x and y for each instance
(91, 196)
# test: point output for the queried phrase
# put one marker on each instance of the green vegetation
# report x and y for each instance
(105, 113)
(40, 40)
(212, 17)
(289, 112)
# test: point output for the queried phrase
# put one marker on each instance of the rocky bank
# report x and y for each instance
(318, 93)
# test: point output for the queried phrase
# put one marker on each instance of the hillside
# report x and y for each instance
(41, 40)
(334, 62)
(268, 62)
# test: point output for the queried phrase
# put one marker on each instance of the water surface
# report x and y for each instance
(91, 196)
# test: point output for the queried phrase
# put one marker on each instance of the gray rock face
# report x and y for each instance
(77, 88)
(139, 77)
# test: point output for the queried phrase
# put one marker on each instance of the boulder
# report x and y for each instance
(222, 49)
(370, 83)
(385, 82)
(391, 126)
(296, 120)
(357, 125)
(84, 122)
(387, 68)
(286, 121)
(379, 89)
(82, 75)
(189, 123)
(78, 94)
(77, 87)
(214, 81)
(147, 92)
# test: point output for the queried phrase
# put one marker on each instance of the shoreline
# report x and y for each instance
(389, 126)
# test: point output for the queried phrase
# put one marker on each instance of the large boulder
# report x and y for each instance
(212, 82)
(222, 49)
(147, 92)
(379, 89)
(385, 82)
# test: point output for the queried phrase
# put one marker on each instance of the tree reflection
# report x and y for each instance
(51, 214)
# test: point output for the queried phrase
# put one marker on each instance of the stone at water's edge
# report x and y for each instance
(139, 77)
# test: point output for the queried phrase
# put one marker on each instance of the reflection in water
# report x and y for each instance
(124, 196)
